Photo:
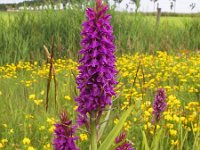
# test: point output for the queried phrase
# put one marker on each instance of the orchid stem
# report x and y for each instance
(93, 131)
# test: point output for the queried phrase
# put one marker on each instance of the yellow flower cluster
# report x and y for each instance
(27, 142)
(37, 70)
(139, 76)
(83, 137)
(32, 97)
(3, 143)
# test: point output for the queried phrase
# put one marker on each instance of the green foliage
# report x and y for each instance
(23, 34)
(145, 142)
(107, 143)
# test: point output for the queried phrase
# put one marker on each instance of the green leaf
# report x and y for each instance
(155, 143)
(115, 131)
(104, 124)
(146, 145)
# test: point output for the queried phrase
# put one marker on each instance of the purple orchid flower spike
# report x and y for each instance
(63, 134)
(124, 144)
(97, 72)
(159, 104)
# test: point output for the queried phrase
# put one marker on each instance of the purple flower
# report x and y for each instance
(124, 144)
(97, 72)
(159, 104)
(63, 134)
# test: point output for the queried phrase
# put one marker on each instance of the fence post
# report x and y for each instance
(158, 16)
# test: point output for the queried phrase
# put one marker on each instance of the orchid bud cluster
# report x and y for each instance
(63, 134)
(159, 104)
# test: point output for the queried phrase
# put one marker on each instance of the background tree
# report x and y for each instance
(154, 2)
(118, 1)
(137, 4)
(171, 5)
(192, 6)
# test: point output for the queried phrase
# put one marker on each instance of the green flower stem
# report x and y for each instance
(93, 131)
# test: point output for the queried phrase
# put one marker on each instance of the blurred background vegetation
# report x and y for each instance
(23, 33)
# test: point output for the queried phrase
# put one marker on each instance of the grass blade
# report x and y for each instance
(145, 142)
(115, 131)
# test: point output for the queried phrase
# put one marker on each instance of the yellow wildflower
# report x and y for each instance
(174, 142)
(51, 120)
(169, 125)
(47, 146)
(127, 125)
(38, 102)
(75, 108)
(146, 113)
(26, 141)
(168, 117)
(5, 125)
(42, 92)
(32, 96)
(188, 129)
(11, 131)
(67, 98)
(145, 127)
(1, 145)
(41, 128)
(152, 132)
(31, 148)
(51, 129)
(149, 124)
(4, 141)
(135, 119)
(83, 137)
(157, 126)
(172, 132)
(29, 116)
(116, 121)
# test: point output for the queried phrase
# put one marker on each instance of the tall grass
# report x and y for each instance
(23, 34)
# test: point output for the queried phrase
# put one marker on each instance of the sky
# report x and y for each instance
(10, 1)
(182, 6)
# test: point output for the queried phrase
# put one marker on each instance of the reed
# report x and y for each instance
(23, 34)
